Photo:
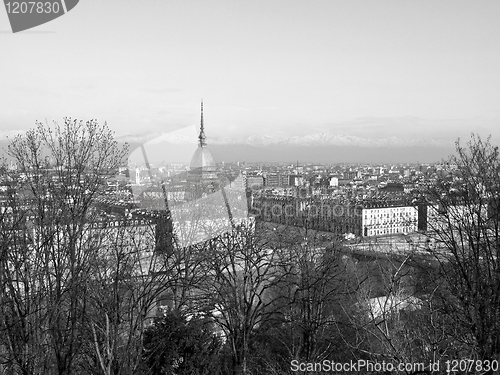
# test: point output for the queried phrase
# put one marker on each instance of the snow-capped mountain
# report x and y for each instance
(318, 139)
(264, 140)
(136, 138)
(328, 139)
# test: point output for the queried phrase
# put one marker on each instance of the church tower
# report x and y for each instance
(202, 167)
(202, 138)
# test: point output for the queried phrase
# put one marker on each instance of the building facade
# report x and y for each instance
(380, 219)
(363, 219)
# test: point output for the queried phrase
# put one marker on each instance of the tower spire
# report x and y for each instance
(202, 139)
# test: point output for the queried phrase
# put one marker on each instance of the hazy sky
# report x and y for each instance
(290, 67)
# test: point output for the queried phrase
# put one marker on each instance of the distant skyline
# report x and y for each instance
(409, 69)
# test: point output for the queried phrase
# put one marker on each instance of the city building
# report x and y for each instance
(318, 214)
(379, 218)
(254, 182)
(364, 218)
(272, 179)
(334, 182)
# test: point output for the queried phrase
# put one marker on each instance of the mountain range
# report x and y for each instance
(178, 146)
(317, 139)
(317, 148)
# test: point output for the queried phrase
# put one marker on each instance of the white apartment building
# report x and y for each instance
(380, 220)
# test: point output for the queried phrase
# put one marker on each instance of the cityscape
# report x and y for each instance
(230, 188)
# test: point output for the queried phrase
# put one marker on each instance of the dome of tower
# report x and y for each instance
(202, 160)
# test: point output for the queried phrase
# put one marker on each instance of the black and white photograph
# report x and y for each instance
(249, 187)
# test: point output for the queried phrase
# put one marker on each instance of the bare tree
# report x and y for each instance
(316, 281)
(128, 279)
(62, 170)
(394, 323)
(463, 223)
(23, 348)
(240, 270)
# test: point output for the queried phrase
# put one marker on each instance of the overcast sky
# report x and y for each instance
(280, 67)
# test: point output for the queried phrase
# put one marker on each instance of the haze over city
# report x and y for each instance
(372, 70)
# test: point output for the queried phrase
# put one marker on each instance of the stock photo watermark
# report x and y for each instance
(24, 15)
(362, 365)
